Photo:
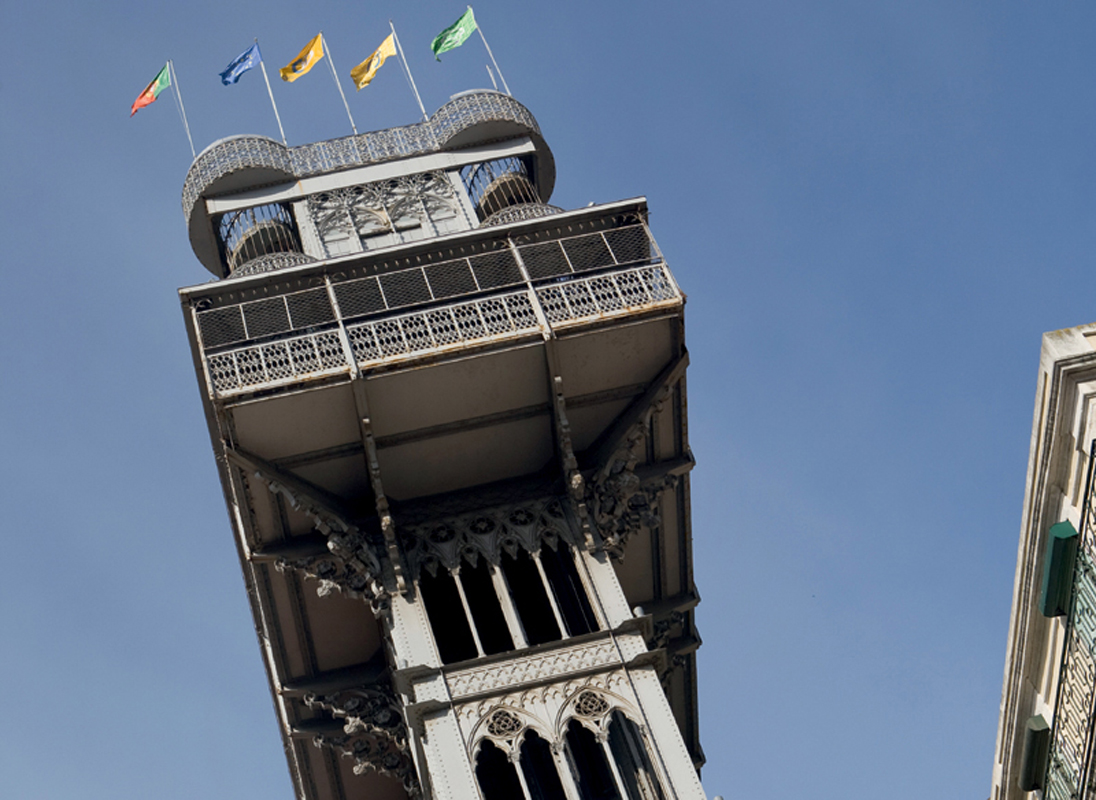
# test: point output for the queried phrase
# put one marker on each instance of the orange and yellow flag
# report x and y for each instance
(364, 72)
(308, 58)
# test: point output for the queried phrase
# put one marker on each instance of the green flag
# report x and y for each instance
(455, 35)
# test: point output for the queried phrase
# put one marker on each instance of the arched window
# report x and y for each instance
(593, 775)
(539, 769)
(497, 777)
(633, 763)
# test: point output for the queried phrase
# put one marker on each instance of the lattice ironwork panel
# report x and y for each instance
(545, 260)
(458, 324)
(496, 269)
(629, 244)
(451, 278)
(268, 317)
(583, 299)
(588, 252)
(312, 307)
(296, 358)
(407, 287)
(221, 326)
(570, 299)
(362, 296)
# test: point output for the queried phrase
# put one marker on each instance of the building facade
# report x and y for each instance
(450, 425)
(1045, 742)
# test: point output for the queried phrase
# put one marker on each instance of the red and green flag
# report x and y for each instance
(152, 91)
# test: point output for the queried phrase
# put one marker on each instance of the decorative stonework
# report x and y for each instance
(619, 502)
(271, 262)
(383, 207)
(487, 534)
(503, 724)
(351, 568)
(591, 705)
(520, 213)
(547, 710)
(374, 733)
(374, 753)
(531, 669)
(373, 709)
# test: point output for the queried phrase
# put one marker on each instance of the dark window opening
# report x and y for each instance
(486, 609)
(574, 606)
(539, 769)
(447, 619)
(498, 779)
(592, 772)
(530, 599)
(630, 754)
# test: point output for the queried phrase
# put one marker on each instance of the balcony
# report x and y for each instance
(510, 289)
(242, 163)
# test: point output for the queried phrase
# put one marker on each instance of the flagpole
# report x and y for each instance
(491, 75)
(331, 63)
(407, 71)
(277, 116)
(499, 71)
(179, 97)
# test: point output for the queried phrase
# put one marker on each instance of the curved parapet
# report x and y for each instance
(239, 163)
(520, 213)
(229, 165)
(271, 262)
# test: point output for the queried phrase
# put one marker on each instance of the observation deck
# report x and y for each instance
(246, 164)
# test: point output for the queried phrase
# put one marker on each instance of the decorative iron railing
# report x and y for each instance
(258, 152)
(629, 245)
(1070, 768)
(321, 350)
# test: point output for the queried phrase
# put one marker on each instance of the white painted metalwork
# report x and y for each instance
(437, 330)
(256, 152)
(314, 355)
(431, 331)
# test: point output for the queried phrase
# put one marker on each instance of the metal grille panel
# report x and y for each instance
(568, 300)
(458, 324)
(583, 299)
(300, 357)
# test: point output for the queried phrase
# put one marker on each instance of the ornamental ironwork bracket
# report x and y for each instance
(352, 568)
(374, 752)
(576, 484)
(373, 709)
(572, 475)
(619, 500)
(388, 524)
(374, 733)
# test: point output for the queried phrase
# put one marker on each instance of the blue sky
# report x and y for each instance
(875, 208)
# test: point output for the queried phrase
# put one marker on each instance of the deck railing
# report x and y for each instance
(498, 268)
(258, 152)
(368, 343)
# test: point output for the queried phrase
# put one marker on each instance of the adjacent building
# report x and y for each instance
(1045, 741)
(450, 424)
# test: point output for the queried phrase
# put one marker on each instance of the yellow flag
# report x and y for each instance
(364, 72)
(312, 53)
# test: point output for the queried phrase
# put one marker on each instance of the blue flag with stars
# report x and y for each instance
(248, 59)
